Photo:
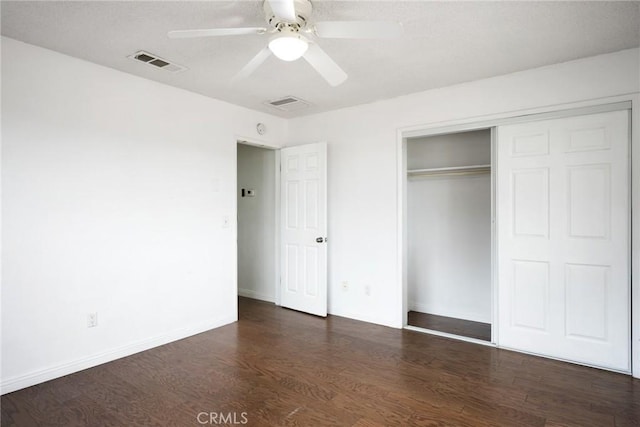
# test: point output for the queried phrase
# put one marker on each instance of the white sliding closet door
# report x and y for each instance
(564, 238)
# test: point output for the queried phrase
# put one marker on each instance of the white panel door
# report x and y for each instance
(564, 238)
(303, 250)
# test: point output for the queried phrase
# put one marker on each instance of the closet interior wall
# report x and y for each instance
(449, 225)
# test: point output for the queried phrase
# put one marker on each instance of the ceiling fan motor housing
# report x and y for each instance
(303, 9)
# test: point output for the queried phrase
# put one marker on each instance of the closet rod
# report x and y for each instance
(456, 170)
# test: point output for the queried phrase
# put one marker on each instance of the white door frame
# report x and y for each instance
(491, 121)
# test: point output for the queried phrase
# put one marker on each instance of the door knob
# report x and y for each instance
(320, 240)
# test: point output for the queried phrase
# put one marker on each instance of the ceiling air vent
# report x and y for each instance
(156, 62)
(288, 103)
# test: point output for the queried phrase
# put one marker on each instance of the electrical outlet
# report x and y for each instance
(92, 320)
(345, 286)
(367, 290)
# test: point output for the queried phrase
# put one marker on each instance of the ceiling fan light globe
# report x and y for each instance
(288, 47)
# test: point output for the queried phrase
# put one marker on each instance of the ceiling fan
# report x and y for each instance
(292, 37)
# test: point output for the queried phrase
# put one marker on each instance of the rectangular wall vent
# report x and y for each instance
(288, 103)
(156, 62)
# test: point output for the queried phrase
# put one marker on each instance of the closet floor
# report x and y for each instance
(450, 325)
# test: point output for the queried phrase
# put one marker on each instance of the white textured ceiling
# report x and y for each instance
(445, 43)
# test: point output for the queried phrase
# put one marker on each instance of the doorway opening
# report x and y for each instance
(449, 233)
(257, 222)
(282, 225)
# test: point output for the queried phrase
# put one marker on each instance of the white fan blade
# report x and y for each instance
(188, 34)
(283, 9)
(324, 65)
(359, 29)
(252, 65)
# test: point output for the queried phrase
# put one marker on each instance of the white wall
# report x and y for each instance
(363, 164)
(449, 228)
(256, 223)
(114, 190)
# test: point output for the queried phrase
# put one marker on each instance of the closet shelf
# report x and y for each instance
(455, 170)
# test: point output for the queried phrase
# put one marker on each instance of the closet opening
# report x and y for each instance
(449, 217)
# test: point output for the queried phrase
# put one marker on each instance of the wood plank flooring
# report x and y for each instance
(277, 367)
(465, 328)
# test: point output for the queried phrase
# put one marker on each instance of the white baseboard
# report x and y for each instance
(438, 311)
(363, 317)
(250, 293)
(16, 383)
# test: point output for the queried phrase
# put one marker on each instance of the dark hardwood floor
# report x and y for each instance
(277, 367)
(465, 328)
